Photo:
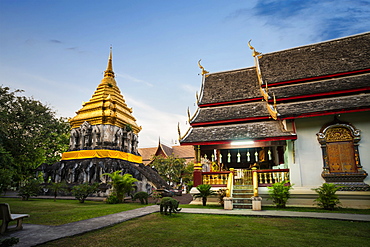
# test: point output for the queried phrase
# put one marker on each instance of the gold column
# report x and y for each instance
(255, 182)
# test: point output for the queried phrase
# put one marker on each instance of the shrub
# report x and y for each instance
(82, 191)
(57, 188)
(122, 184)
(142, 196)
(156, 196)
(112, 199)
(204, 192)
(8, 242)
(327, 198)
(189, 185)
(30, 188)
(279, 193)
(221, 194)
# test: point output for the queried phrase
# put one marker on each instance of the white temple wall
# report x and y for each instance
(362, 122)
(307, 168)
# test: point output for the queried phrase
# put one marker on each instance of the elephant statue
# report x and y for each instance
(169, 204)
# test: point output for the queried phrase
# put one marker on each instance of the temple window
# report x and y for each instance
(341, 159)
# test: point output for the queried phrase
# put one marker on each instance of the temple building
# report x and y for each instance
(300, 115)
(183, 152)
(104, 139)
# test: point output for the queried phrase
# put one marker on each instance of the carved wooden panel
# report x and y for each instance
(336, 134)
(341, 157)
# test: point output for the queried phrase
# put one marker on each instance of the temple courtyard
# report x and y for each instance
(193, 226)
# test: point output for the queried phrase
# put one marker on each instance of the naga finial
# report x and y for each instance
(204, 72)
(178, 129)
(255, 53)
(188, 114)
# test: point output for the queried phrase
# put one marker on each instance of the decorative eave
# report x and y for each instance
(228, 142)
(262, 131)
(263, 86)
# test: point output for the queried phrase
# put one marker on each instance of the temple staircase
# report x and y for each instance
(242, 189)
(242, 196)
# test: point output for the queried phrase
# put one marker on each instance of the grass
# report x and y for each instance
(222, 230)
(48, 212)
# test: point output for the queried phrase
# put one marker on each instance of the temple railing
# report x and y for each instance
(216, 179)
(271, 176)
(264, 178)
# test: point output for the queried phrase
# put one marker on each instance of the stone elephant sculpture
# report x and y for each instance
(169, 205)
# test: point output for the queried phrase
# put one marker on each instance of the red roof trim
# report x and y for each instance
(322, 94)
(277, 138)
(237, 120)
(317, 77)
(230, 102)
(324, 113)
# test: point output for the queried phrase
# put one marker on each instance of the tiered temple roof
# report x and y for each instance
(185, 152)
(330, 77)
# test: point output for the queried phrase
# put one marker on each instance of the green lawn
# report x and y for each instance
(48, 212)
(221, 230)
(193, 229)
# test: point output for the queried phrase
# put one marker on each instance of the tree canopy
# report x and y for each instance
(173, 170)
(30, 134)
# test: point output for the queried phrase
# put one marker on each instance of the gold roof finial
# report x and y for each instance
(255, 53)
(204, 72)
(109, 71)
(188, 114)
(178, 130)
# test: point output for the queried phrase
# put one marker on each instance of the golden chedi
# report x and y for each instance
(104, 139)
(104, 126)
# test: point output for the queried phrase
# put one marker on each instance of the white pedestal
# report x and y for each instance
(228, 203)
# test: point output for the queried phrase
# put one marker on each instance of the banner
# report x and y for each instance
(101, 153)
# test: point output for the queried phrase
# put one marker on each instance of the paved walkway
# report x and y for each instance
(32, 235)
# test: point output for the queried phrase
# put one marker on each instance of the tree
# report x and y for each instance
(6, 170)
(29, 133)
(57, 188)
(122, 184)
(173, 170)
(204, 192)
(82, 191)
(30, 188)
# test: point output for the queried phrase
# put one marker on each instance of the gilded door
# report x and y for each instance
(340, 150)
(341, 157)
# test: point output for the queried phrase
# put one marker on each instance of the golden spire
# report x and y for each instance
(109, 72)
(107, 105)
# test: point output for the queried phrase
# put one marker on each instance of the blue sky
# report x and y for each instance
(57, 50)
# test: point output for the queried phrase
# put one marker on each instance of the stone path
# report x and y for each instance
(272, 213)
(32, 235)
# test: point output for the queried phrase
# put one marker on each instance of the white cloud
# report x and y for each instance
(133, 79)
(155, 123)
